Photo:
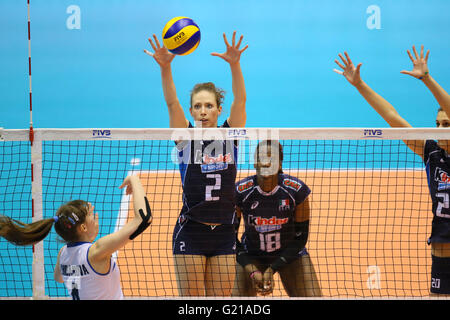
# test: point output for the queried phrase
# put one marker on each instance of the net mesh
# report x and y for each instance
(369, 222)
(15, 201)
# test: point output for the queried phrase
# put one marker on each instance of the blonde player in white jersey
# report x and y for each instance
(86, 267)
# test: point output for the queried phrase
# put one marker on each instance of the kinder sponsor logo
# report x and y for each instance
(373, 133)
(267, 224)
(215, 163)
(96, 134)
(221, 158)
(443, 179)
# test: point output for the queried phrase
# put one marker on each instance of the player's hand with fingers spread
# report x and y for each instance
(420, 64)
(161, 54)
(233, 53)
(350, 72)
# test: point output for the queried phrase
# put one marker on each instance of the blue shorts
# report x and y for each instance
(440, 275)
(191, 237)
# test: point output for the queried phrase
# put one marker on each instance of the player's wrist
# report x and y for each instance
(278, 264)
(254, 273)
(358, 84)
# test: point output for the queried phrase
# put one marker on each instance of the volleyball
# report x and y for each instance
(181, 36)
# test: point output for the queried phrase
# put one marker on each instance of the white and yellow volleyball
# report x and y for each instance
(181, 36)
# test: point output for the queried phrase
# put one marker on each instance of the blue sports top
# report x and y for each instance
(269, 216)
(208, 175)
(437, 165)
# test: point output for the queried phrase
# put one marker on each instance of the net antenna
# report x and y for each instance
(36, 187)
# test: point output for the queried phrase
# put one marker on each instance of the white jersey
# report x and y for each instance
(82, 281)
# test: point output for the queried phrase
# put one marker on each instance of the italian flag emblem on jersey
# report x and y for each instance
(284, 204)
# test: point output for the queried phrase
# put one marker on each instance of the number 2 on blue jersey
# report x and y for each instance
(444, 204)
(210, 188)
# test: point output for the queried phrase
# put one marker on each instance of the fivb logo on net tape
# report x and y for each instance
(373, 133)
(217, 147)
(237, 133)
(101, 134)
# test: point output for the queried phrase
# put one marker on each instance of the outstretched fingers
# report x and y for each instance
(415, 52)
(343, 60)
(417, 57)
(339, 64)
(350, 62)
(148, 52)
(226, 40)
(240, 41)
(410, 56)
(152, 44)
(426, 56)
(156, 41)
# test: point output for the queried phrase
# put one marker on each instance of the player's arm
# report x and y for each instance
(244, 259)
(420, 71)
(292, 249)
(102, 249)
(376, 101)
(242, 256)
(232, 55)
(164, 58)
(57, 272)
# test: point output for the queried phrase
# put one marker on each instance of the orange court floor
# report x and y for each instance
(368, 234)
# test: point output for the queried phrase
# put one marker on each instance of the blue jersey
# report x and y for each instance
(208, 174)
(437, 164)
(269, 217)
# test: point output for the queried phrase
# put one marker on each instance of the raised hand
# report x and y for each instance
(233, 53)
(161, 54)
(129, 182)
(351, 73)
(420, 64)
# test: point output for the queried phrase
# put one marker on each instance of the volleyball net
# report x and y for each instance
(370, 206)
